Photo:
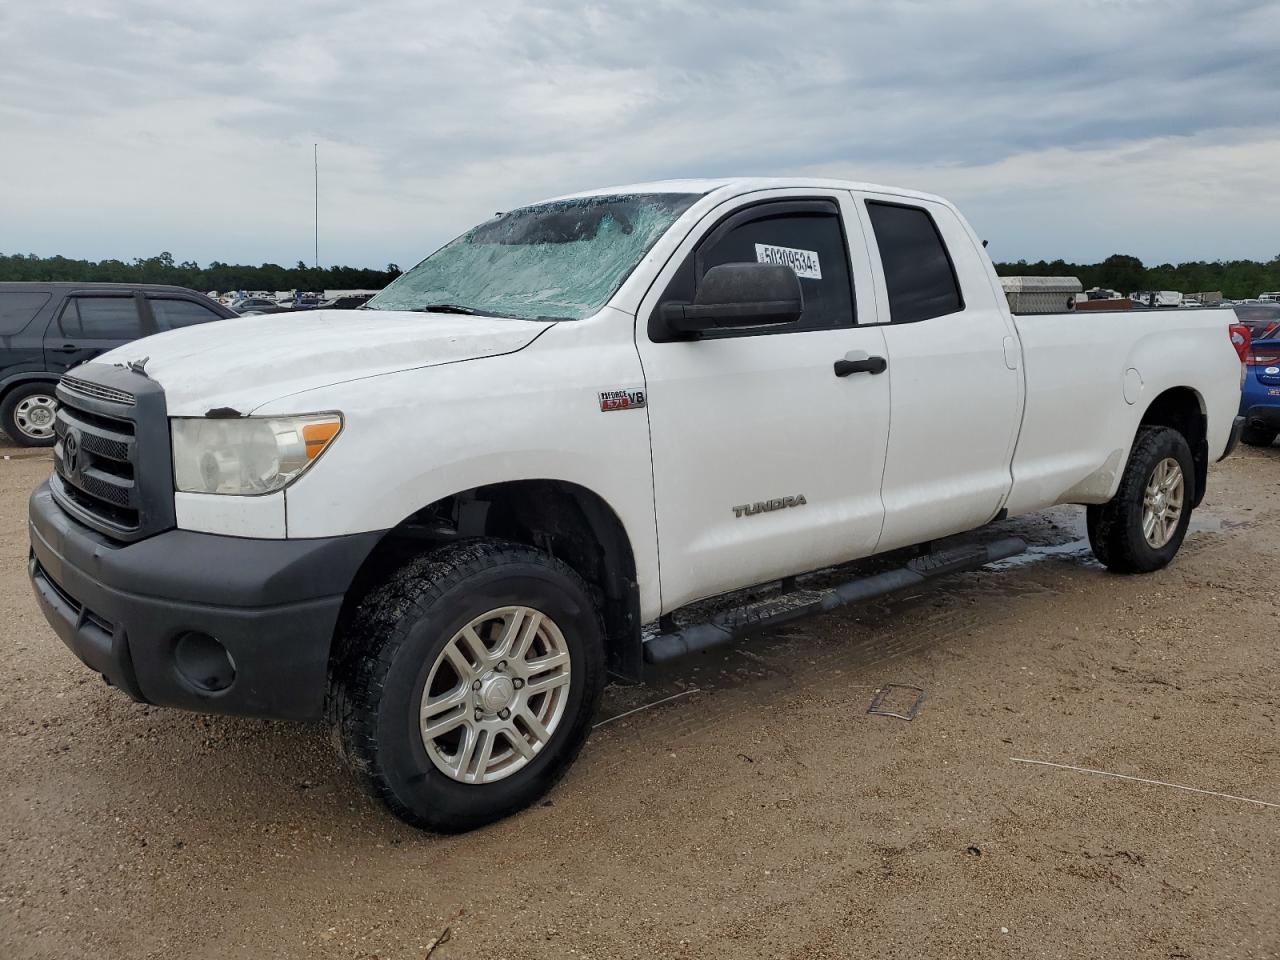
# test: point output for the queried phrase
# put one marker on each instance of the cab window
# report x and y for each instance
(917, 268)
(805, 235)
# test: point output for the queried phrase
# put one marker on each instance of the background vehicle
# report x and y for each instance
(440, 521)
(48, 328)
(256, 305)
(1260, 400)
(1157, 298)
(352, 301)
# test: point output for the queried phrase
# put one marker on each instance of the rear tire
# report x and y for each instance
(1142, 527)
(26, 415)
(452, 735)
(1259, 436)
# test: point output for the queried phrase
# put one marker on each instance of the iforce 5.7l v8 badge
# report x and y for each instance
(621, 400)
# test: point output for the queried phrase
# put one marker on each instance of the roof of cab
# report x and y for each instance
(733, 186)
(11, 285)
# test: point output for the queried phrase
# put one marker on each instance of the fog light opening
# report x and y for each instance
(204, 662)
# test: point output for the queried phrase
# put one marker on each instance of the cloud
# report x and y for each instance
(1062, 129)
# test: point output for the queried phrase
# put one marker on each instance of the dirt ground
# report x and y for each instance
(759, 813)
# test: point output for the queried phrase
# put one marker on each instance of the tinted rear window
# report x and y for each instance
(917, 269)
(101, 318)
(172, 314)
(17, 309)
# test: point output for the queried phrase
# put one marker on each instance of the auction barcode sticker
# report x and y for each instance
(804, 262)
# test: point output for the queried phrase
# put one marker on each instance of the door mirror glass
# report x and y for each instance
(739, 295)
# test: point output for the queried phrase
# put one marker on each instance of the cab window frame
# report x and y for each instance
(692, 267)
(874, 238)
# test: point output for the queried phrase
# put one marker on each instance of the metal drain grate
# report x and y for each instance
(898, 700)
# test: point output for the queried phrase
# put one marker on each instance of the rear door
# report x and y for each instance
(90, 324)
(765, 462)
(21, 339)
(954, 366)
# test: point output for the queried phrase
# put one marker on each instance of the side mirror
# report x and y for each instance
(739, 295)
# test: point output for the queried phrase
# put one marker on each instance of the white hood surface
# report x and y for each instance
(245, 362)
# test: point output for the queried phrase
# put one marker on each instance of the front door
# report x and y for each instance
(765, 462)
(91, 324)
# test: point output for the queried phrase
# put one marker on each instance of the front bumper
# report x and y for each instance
(125, 609)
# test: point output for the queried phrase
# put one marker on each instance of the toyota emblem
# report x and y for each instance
(71, 451)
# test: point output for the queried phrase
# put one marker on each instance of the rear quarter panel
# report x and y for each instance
(1078, 425)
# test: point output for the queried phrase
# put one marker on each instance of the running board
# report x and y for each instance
(774, 611)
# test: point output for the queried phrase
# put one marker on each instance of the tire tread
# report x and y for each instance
(373, 638)
(1108, 522)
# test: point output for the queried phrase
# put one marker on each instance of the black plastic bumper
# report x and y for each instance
(1263, 417)
(123, 609)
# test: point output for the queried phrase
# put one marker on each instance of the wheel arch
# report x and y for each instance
(9, 384)
(1183, 409)
(565, 519)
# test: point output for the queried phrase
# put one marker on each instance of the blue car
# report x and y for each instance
(1260, 398)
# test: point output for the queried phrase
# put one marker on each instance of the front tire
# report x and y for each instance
(466, 685)
(1142, 527)
(27, 414)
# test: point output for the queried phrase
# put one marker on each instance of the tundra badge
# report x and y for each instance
(751, 509)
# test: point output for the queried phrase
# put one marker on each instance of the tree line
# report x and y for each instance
(1236, 279)
(216, 276)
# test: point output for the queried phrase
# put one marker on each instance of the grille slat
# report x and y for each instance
(105, 487)
(105, 443)
(96, 391)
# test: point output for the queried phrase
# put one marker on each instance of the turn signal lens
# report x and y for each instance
(317, 436)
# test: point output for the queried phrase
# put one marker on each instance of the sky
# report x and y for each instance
(1061, 129)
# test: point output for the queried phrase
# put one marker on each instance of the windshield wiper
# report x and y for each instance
(452, 308)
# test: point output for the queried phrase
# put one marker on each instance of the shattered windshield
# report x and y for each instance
(553, 261)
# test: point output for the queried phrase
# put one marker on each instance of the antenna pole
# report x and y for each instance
(316, 157)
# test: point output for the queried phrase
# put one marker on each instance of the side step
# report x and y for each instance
(774, 611)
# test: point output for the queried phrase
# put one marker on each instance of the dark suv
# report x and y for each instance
(48, 328)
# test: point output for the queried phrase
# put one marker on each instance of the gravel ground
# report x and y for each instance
(760, 812)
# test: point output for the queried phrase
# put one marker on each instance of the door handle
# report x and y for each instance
(872, 365)
(69, 348)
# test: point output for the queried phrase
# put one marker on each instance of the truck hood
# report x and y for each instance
(245, 362)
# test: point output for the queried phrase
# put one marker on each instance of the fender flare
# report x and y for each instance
(30, 376)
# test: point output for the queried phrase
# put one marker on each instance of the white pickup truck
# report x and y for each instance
(442, 520)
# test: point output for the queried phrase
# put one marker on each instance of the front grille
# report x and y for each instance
(96, 391)
(111, 459)
(93, 457)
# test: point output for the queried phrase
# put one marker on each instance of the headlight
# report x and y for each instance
(246, 456)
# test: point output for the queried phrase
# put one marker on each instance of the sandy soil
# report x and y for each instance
(764, 815)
